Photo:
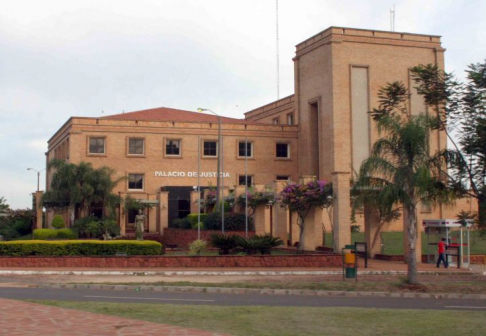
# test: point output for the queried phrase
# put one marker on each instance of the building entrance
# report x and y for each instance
(179, 202)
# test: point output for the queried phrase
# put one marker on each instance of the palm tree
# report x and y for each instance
(80, 186)
(400, 170)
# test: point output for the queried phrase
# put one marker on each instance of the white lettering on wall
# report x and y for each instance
(188, 174)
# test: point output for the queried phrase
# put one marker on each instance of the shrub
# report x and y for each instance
(22, 227)
(192, 218)
(232, 222)
(198, 225)
(355, 228)
(66, 234)
(262, 244)
(198, 247)
(80, 226)
(79, 248)
(58, 222)
(110, 228)
(44, 234)
(225, 243)
(181, 223)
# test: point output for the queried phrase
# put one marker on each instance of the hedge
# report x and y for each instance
(44, 234)
(22, 248)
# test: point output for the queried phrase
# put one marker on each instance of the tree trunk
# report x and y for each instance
(301, 235)
(412, 244)
(482, 211)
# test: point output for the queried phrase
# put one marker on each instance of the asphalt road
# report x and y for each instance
(237, 299)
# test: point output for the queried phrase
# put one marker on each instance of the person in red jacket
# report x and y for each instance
(441, 251)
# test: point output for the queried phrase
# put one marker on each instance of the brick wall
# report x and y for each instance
(182, 238)
(301, 261)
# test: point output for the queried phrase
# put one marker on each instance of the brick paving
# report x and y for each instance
(25, 318)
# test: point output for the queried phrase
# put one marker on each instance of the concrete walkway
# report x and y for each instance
(23, 318)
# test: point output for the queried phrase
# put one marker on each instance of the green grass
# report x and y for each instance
(393, 242)
(267, 320)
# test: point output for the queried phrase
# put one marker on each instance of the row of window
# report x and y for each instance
(136, 146)
(290, 119)
(136, 181)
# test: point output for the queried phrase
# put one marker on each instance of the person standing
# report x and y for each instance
(441, 251)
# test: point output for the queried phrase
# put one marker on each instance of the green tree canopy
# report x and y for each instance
(461, 109)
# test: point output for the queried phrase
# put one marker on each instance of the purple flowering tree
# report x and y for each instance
(255, 198)
(301, 198)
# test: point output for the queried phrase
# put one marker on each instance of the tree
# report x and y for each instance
(3, 205)
(301, 198)
(81, 186)
(461, 110)
(400, 171)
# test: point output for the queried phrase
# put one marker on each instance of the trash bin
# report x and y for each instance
(350, 265)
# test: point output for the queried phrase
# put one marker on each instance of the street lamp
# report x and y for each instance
(219, 160)
(38, 175)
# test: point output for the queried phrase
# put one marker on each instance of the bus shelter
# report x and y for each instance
(436, 229)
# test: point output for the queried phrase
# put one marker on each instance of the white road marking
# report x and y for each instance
(135, 298)
(142, 298)
(465, 307)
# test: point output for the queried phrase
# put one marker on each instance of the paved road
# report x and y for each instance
(238, 300)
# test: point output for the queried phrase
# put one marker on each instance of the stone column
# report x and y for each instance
(261, 220)
(38, 209)
(152, 215)
(194, 200)
(342, 209)
(280, 215)
(163, 211)
(123, 216)
(372, 230)
(312, 236)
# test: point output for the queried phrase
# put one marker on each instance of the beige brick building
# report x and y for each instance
(322, 130)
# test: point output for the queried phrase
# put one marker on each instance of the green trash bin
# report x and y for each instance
(350, 272)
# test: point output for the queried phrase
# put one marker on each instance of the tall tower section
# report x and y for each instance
(338, 74)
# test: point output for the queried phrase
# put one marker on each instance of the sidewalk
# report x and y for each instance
(24, 318)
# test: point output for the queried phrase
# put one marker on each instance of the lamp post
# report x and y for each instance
(219, 153)
(38, 175)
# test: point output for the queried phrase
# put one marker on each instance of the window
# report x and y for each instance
(210, 148)
(135, 181)
(290, 119)
(283, 150)
(96, 145)
(135, 146)
(242, 178)
(173, 147)
(241, 149)
(283, 178)
(276, 121)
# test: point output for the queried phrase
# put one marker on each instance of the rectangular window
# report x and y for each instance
(276, 121)
(282, 150)
(135, 146)
(173, 147)
(283, 178)
(241, 149)
(243, 178)
(210, 148)
(96, 145)
(290, 119)
(135, 181)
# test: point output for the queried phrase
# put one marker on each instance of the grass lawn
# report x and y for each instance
(393, 242)
(266, 320)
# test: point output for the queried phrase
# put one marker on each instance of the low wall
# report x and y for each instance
(181, 238)
(475, 259)
(308, 260)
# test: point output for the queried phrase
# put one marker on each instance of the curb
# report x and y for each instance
(265, 291)
(239, 273)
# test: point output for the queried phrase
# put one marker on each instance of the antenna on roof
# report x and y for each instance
(278, 56)
(102, 111)
(392, 19)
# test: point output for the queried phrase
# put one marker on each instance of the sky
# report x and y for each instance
(94, 58)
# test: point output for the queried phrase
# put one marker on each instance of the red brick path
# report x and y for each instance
(22, 318)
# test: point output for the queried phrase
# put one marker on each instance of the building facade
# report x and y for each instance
(322, 130)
